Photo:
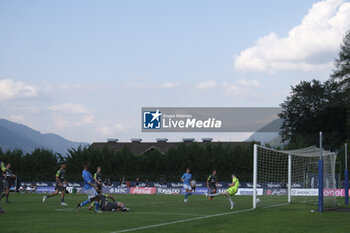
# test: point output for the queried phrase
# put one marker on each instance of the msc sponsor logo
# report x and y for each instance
(152, 119)
(119, 190)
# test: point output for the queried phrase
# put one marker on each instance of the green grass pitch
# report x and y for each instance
(165, 213)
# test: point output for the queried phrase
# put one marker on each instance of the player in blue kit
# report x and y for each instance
(186, 179)
(89, 187)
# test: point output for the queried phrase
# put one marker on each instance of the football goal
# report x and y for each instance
(293, 176)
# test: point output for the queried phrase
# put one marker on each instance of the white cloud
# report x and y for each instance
(71, 115)
(69, 108)
(110, 130)
(147, 86)
(249, 83)
(168, 85)
(312, 45)
(10, 89)
(242, 88)
(206, 85)
(239, 88)
(105, 131)
(19, 118)
(70, 87)
(117, 127)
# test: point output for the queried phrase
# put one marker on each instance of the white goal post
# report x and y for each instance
(292, 176)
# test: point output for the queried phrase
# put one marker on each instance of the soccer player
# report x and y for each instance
(2, 169)
(212, 183)
(60, 184)
(107, 196)
(98, 179)
(193, 185)
(232, 190)
(2, 174)
(111, 206)
(8, 180)
(283, 184)
(186, 179)
(89, 187)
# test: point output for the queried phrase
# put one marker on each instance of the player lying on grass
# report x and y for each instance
(60, 184)
(107, 196)
(232, 190)
(105, 205)
(89, 187)
(9, 176)
(186, 179)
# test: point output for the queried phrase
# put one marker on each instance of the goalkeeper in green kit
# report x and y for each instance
(232, 190)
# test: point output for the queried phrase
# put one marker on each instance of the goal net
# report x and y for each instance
(282, 177)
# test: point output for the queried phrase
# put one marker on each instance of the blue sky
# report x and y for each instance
(83, 69)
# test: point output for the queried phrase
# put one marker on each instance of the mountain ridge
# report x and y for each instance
(19, 136)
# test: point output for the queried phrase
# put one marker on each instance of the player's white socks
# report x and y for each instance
(231, 202)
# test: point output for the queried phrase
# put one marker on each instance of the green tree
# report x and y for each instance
(41, 165)
(312, 107)
(341, 74)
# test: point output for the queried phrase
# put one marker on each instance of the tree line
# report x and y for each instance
(315, 105)
(42, 164)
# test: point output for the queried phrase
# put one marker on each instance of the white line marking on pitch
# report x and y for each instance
(162, 202)
(277, 205)
(147, 213)
(181, 221)
(160, 213)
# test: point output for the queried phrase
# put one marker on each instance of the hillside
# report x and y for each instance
(18, 136)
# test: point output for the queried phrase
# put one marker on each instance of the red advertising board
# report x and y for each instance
(334, 192)
(143, 190)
